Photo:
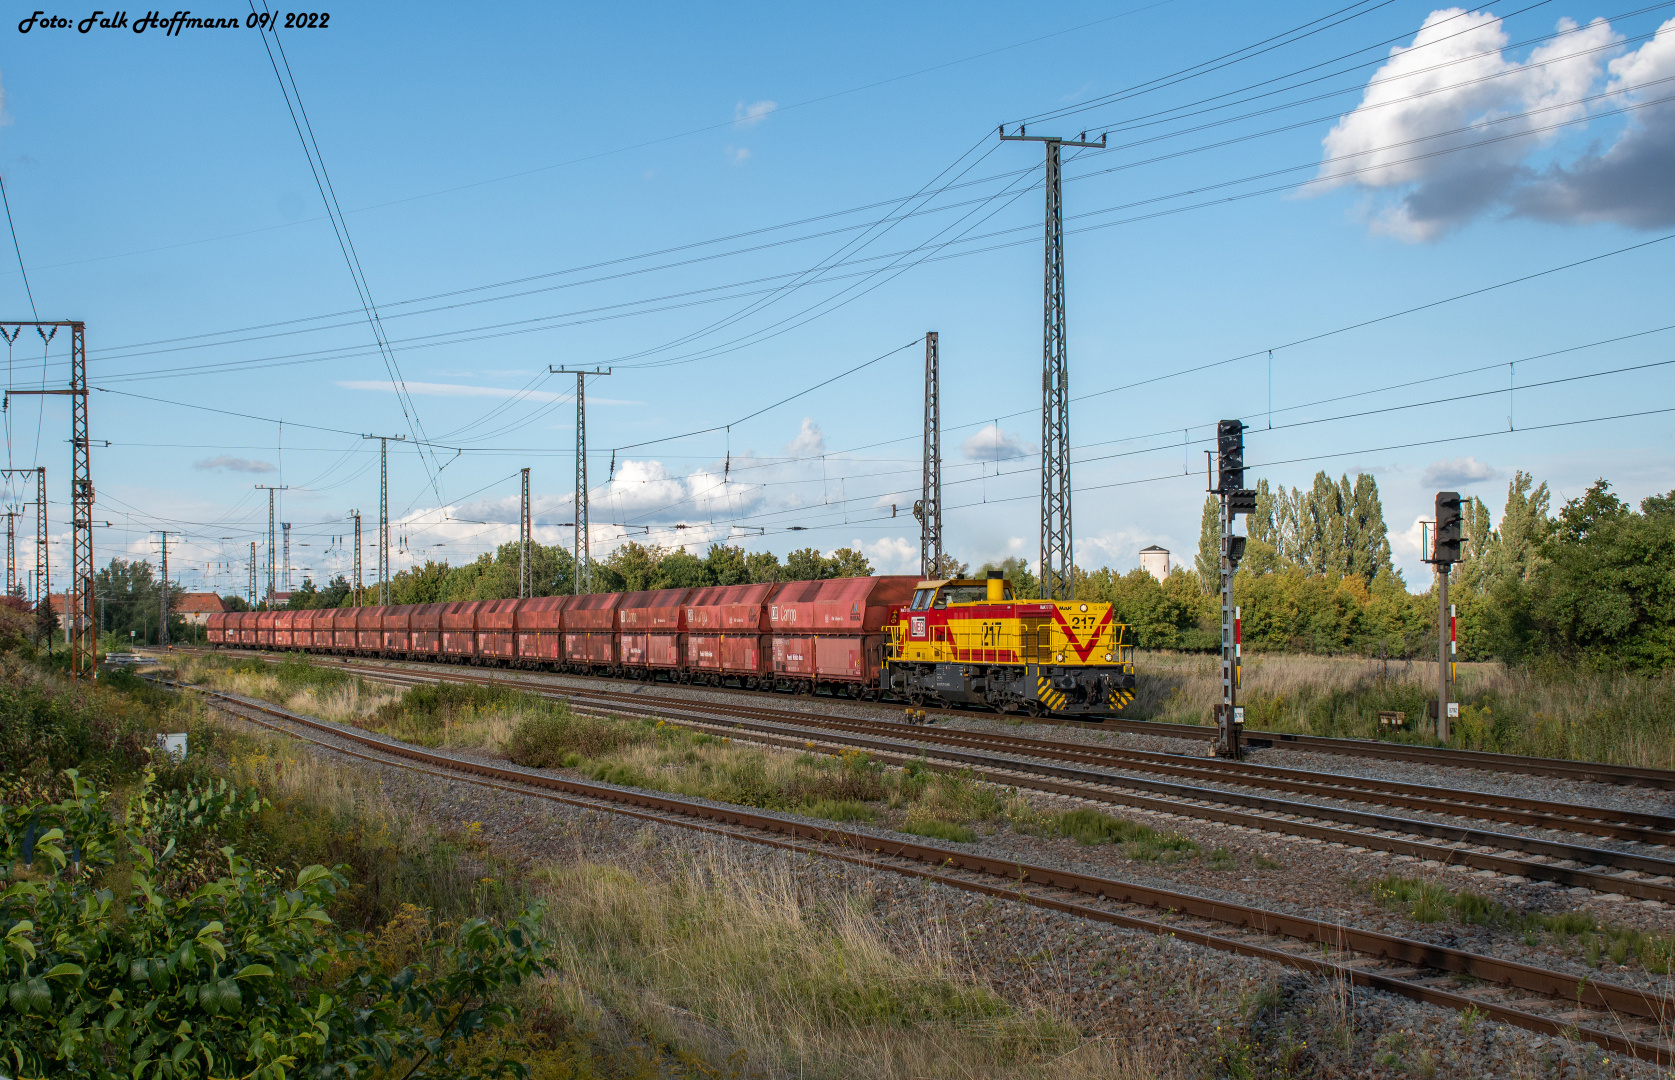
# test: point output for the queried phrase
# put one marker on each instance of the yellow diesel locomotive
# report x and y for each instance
(972, 642)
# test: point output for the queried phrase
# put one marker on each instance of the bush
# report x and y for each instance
(551, 735)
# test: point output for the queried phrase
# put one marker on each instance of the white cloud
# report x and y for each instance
(1409, 542)
(738, 155)
(746, 116)
(890, 554)
(810, 442)
(1456, 77)
(993, 444)
(234, 464)
(1456, 472)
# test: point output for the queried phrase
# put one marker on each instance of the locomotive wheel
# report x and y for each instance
(944, 703)
(916, 698)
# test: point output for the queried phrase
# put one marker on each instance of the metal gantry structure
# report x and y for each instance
(356, 514)
(1058, 578)
(929, 510)
(79, 612)
(583, 560)
(384, 512)
(285, 547)
(252, 573)
(163, 592)
(42, 588)
(523, 540)
(273, 545)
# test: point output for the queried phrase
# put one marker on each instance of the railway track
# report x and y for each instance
(1646, 874)
(1619, 1018)
(1581, 771)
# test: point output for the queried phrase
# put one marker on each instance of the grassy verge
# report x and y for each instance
(686, 966)
(1549, 712)
(1428, 901)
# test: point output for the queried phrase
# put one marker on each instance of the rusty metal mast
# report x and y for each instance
(929, 510)
(583, 558)
(80, 611)
(1058, 573)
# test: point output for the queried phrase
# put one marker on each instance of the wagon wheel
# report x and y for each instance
(916, 698)
(1034, 709)
(944, 704)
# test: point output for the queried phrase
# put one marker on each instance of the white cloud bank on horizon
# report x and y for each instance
(1457, 79)
(234, 464)
(1457, 472)
(993, 444)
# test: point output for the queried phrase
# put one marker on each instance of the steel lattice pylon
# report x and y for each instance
(273, 545)
(356, 514)
(384, 512)
(583, 560)
(1058, 579)
(929, 510)
(79, 612)
(523, 540)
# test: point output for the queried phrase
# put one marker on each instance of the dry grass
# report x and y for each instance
(738, 965)
(1617, 718)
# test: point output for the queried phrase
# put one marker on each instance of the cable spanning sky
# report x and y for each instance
(1424, 243)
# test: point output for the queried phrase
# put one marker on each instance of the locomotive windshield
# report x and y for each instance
(967, 594)
(922, 599)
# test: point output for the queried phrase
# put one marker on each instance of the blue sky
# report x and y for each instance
(716, 203)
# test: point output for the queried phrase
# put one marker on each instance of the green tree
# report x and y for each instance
(1605, 593)
(680, 569)
(1025, 585)
(846, 562)
(1366, 540)
(806, 564)
(418, 585)
(725, 564)
(635, 566)
(1209, 545)
(762, 566)
(126, 597)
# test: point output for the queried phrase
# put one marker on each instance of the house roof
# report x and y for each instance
(198, 603)
(1154, 547)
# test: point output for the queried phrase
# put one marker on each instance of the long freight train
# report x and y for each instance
(941, 642)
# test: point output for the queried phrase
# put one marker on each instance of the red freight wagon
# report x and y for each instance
(541, 629)
(343, 629)
(651, 624)
(246, 628)
(264, 628)
(282, 624)
(426, 629)
(838, 605)
(369, 632)
(590, 624)
(392, 628)
(830, 632)
(459, 627)
(726, 631)
(320, 628)
(497, 625)
(215, 627)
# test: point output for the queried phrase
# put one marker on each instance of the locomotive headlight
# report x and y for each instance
(1084, 607)
(1107, 658)
(1061, 658)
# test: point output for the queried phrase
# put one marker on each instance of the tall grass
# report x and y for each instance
(742, 965)
(1564, 713)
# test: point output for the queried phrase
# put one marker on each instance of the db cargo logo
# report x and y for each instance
(917, 626)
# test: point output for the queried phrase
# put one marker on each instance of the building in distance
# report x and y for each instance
(1154, 560)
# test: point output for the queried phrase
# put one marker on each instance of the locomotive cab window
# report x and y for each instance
(922, 599)
(967, 594)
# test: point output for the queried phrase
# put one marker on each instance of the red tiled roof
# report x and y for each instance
(198, 603)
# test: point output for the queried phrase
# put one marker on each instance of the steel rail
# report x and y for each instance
(1451, 757)
(1459, 802)
(1414, 961)
(1475, 848)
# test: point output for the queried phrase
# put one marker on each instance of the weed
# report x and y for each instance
(940, 830)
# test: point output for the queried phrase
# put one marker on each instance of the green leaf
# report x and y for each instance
(251, 971)
(64, 969)
(309, 874)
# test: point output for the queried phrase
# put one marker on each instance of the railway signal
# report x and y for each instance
(1446, 541)
(1236, 499)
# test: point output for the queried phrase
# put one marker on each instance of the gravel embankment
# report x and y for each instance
(1110, 982)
